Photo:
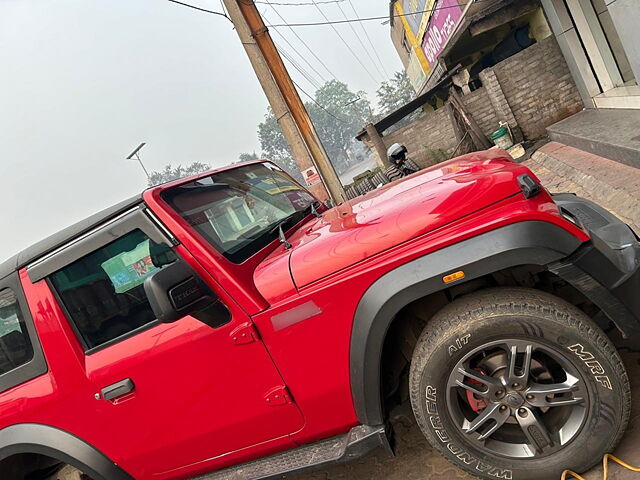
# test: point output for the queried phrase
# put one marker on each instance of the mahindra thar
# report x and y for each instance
(230, 326)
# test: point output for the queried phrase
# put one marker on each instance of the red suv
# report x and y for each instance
(229, 325)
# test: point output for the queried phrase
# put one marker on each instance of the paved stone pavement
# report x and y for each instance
(611, 184)
(561, 169)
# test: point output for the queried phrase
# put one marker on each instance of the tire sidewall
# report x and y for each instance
(589, 357)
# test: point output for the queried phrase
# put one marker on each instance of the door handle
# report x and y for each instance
(118, 389)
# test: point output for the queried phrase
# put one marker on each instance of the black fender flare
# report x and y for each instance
(61, 445)
(523, 243)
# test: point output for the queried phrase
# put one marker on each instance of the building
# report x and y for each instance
(600, 40)
(527, 63)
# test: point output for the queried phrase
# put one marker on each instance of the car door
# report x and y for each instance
(171, 398)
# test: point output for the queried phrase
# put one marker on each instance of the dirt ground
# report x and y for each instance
(416, 460)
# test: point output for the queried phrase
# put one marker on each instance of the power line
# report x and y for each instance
(344, 41)
(364, 48)
(308, 77)
(201, 9)
(299, 4)
(320, 106)
(268, 2)
(368, 19)
(373, 48)
(304, 59)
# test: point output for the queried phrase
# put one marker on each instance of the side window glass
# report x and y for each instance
(104, 292)
(15, 345)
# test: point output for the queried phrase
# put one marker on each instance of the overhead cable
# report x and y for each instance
(368, 19)
(268, 2)
(222, 14)
(345, 42)
(299, 4)
(373, 48)
(364, 48)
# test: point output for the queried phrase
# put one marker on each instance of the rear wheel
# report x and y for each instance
(518, 384)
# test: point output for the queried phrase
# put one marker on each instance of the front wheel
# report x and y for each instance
(518, 384)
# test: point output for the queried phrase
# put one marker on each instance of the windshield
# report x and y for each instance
(238, 211)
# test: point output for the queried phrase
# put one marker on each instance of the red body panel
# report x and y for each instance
(198, 402)
(398, 212)
(199, 399)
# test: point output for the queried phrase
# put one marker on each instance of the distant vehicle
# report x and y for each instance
(229, 325)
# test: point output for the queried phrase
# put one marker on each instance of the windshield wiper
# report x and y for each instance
(282, 238)
(314, 210)
(297, 216)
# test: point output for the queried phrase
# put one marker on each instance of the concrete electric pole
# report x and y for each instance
(287, 106)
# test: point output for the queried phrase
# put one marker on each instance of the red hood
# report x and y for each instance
(391, 215)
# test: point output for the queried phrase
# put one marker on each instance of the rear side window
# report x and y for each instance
(103, 292)
(15, 346)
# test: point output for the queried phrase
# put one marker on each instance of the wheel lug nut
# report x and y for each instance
(523, 412)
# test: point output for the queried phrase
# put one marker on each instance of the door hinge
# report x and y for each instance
(278, 396)
(244, 334)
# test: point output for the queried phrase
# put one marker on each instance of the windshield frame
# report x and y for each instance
(263, 237)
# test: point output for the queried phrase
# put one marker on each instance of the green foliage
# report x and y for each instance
(170, 173)
(395, 93)
(337, 115)
(248, 157)
(275, 147)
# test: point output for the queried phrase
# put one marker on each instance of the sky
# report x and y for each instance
(83, 82)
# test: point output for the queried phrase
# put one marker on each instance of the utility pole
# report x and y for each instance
(287, 106)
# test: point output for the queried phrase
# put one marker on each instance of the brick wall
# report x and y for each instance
(530, 91)
(424, 137)
(538, 86)
(479, 106)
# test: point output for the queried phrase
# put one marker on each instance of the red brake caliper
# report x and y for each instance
(476, 404)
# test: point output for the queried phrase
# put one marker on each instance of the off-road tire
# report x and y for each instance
(364, 186)
(408, 163)
(351, 192)
(379, 179)
(470, 322)
(393, 173)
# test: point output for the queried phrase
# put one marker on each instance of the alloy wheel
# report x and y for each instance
(517, 398)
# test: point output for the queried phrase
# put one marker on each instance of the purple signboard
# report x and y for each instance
(441, 24)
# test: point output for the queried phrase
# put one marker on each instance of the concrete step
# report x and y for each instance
(609, 133)
(621, 97)
(616, 187)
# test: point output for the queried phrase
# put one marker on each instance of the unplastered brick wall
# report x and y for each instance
(530, 91)
(479, 105)
(426, 138)
(538, 87)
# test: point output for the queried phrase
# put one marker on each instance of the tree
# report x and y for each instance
(395, 93)
(275, 147)
(247, 157)
(170, 173)
(337, 113)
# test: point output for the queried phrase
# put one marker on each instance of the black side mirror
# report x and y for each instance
(176, 291)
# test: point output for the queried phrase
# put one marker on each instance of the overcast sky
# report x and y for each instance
(85, 81)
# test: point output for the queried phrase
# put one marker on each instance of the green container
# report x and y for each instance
(501, 138)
